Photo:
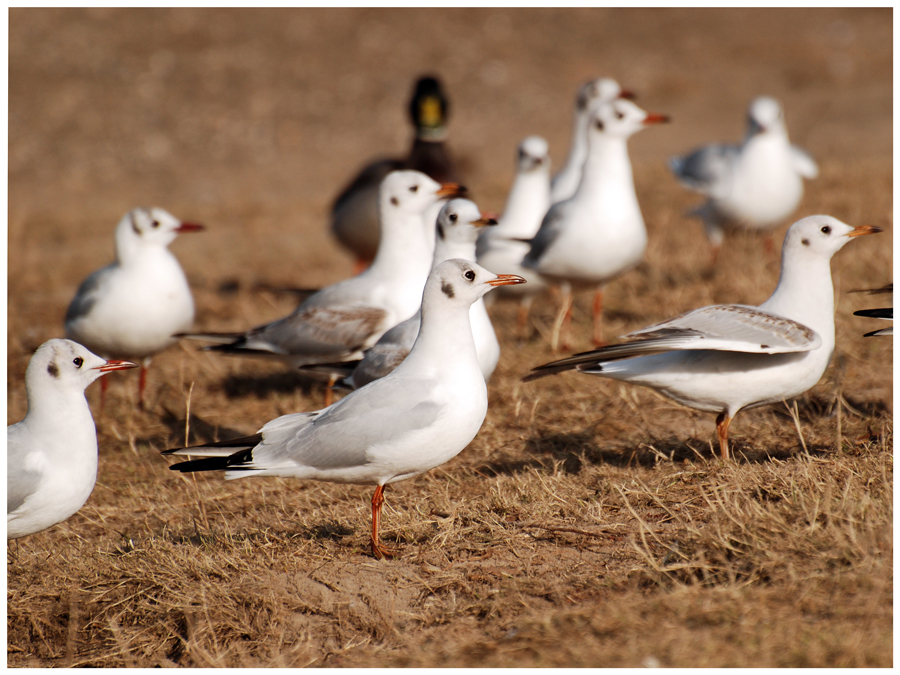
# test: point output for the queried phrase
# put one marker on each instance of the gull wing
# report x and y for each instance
(337, 437)
(86, 296)
(320, 334)
(551, 227)
(21, 483)
(804, 163)
(735, 328)
(705, 168)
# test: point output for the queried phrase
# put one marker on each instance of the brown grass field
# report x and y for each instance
(589, 523)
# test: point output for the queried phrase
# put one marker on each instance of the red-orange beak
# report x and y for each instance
(626, 93)
(487, 218)
(863, 229)
(113, 364)
(189, 227)
(452, 190)
(506, 280)
(655, 118)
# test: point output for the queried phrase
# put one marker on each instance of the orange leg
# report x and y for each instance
(722, 422)
(563, 323)
(598, 318)
(377, 502)
(360, 266)
(329, 392)
(769, 245)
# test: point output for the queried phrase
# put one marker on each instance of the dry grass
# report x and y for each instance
(589, 523)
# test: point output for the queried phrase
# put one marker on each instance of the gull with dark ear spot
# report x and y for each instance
(51, 455)
(354, 217)
(599, 233)
(133, 307)
(419, 416)
(601, 90)
(458, 225)
(725, 358)
(342, 320)
(755, 185)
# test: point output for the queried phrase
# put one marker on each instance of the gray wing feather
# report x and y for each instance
(341, 435)
(320, 333)
(736, 328)
(551, 227)
(387, 353)
(804, 163)
(733, 328)
(705, 168)
(20, 482)
(86, 296)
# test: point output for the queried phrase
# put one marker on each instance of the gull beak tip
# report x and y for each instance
(506, 280)
(115, 364)
(863, 230)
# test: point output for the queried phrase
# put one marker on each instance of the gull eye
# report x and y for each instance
(413, 188)
(453, 217)
(826, 229)
(154, 224)
(78, 362)
(470, 275)
(599, 124)
(620, 115)
(395, 201)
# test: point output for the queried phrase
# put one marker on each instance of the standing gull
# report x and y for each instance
(755, 185)
(416, 418)
(340, 321)
(599, 233)
(504, 246)
(601, 90)
(51, 455)
(354, 218)
(724, 358)
(133, 307)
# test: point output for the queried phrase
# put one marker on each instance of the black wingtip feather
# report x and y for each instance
(215, 463)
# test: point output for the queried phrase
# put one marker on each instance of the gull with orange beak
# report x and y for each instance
(591, 94)
(597, 234)
(724, 358)
(457, 228)
(419, 416)
(340, 321)
(51, 455)
(133, 307)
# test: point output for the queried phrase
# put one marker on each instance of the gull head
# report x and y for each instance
(821, 236)
(459, 222)
(533, 155)
(60, 364)
(412, 192)
(150, 227)
(621, 118)
(461, 282)
(764, 114)
(601, 90)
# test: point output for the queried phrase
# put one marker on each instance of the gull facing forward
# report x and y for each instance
(133, 307)
(51, 455)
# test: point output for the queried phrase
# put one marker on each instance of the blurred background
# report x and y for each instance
(252, 120)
